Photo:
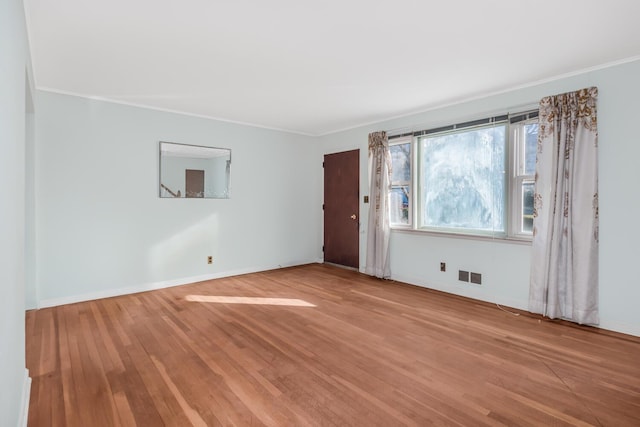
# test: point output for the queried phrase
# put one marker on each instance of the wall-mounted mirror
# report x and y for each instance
(194, 171)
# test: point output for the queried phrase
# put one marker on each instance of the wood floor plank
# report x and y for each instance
(365, 352)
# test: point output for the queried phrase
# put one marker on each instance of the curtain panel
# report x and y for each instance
(564, 265)
(378, 227)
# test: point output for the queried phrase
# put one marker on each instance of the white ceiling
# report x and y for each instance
(316, 67)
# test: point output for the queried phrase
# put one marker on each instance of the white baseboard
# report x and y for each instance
(620, 327)
(623, 328)
(24, 402)
(54, 302)
(467, 293)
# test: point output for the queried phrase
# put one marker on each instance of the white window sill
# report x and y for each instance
(511, 240)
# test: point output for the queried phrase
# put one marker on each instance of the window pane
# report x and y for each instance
(527, 207)
(399, 205)
(530, 148)
(462, 179)
(401, 161)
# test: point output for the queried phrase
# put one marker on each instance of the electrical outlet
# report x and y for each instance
(209, 259)
(443, 266)
(463, 276)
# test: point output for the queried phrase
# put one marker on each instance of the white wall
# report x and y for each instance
(415, 257)
(30, 218)
(14, 52)
(103, 230)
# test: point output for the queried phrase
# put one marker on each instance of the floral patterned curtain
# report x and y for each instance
(564, 267)
(379, 182)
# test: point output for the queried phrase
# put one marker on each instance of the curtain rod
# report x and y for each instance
(514, 109)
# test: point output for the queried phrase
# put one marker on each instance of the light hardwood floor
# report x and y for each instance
(368, 353)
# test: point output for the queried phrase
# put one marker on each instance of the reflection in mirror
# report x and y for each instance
(194, 171)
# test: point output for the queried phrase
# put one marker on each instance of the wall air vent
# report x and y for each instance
(476, 278)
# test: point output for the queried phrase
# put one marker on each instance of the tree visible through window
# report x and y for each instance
(400, 194)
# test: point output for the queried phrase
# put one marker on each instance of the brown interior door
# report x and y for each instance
(194, 183)
(341, 208)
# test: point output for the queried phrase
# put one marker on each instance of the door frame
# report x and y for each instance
(354, 249)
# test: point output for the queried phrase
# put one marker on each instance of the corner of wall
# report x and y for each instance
(24, 402)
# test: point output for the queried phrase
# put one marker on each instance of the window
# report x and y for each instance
(461, 180)
(399, 211)
(525, 143)
(474, 178)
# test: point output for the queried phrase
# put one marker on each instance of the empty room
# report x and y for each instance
(355, 213)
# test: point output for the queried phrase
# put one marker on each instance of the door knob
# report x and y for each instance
(353, 216)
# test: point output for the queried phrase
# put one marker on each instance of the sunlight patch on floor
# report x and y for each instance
(249, 300)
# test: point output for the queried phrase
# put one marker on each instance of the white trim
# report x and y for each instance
(462, 290)
(408, 139)
(168, 110)
(620, 327)
(450, 235)
(379, 121)
(53, 302)
(24, 403)
(484, 95)
(517, 150)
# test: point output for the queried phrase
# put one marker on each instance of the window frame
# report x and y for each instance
(401, 140)
(513, 181)
(458, 129)
(518, 177)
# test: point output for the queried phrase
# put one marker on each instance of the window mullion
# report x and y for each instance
(473, 178)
